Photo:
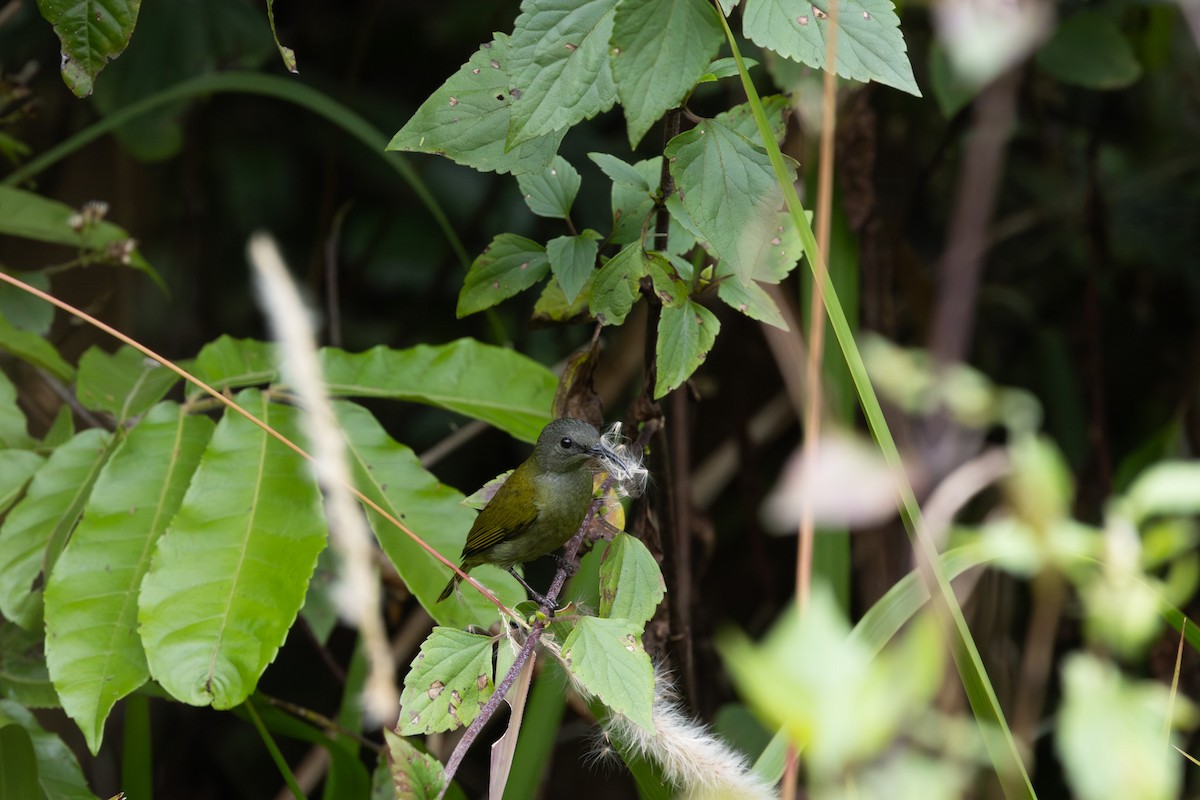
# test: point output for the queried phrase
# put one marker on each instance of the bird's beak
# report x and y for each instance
(610, 458)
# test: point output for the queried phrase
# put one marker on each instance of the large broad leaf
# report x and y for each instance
(391, 475)
(92, 33)
(124, 383)
(28, 346)
(509, 265)
(92, 647)
(32, 216)
(869, 46)
(58, 774)
(660, 49)
(229, 363)
(36, 530)
(13, 429)
(467, 118)
(23, 674)
(494, 384)
(229, 576)
(728, 188)
(607, 658)
(560, 65)
(16, 468)
(685, 335)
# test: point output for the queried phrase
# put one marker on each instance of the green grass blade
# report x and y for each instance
(1002, 747)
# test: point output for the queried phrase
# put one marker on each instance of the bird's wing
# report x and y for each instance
(491, 527)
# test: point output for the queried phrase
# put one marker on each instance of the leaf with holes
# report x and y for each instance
(92, 647)
(728, 189)
(560, 65)
(508, 266)
(467, 118)
(660, 49)
(685, 335)
(230, 573)
(414, 775)
(92, 33)
(607, 658)
(447, 683)
(869, 45)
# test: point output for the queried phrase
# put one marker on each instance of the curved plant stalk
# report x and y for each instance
(1002, 747)
(232, 406)
(287, 89)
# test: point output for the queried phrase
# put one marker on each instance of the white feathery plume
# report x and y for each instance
(629, 475)
(356, 592)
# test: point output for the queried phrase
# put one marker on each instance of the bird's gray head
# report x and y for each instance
(567, 444)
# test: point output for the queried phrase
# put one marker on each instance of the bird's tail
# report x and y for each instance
(449, 588)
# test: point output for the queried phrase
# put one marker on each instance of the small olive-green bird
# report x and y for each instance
(541, 505)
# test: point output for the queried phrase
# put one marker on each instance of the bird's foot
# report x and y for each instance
(567, 565)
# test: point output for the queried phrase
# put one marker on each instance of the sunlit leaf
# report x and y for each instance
(607, 658)
(448, 682)
(124, 383)
(631, 584)
(414, 775)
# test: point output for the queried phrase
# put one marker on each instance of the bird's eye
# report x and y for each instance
(565, 443)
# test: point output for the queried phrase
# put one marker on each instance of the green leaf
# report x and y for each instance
(23, 674)
(509, 265)
(58, 772)
(390, 474)
(1170, 488)
(777, 107)
(727, 187)
(727, 7)
(467, 118)
(560, 66)
(1112, 734)
(18, 764)
(36, 529)
(660, 49)
(32, 216)
(685, 335)
(751, 300)
(724, 68)
(415, 775)
(551, 191)
(1089, 50)
(21, 309)
(61, 429)
(670, 288)
(16, 468)
(92, 647)
(631, 584)
(607, 658)
(124, 383)
(573, 261)
(615, 288)
(447, 683)
(13, 425)
(28, 346)
(286, 53)
(92, 33)
(621, 173)
(229, 363)
(552, 304)
(229, 575)
(870, 46)
(493, 384)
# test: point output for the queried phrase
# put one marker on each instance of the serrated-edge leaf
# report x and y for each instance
(447, 683)
(726, 185)
(467, 118)
(870, 46)
(37, 527)
(560, 65)
(615, 288)
(620, 172)
(390, 474)
(92, 648)
(92, 34)
(494, 384)
(414, 775)
(685, 335)
(551, 192)
(124, 383)
(739, 119)
(607, 659)
(573, 261)
(631, 584)
(660, 49)
(508, 266)
(229, 575)
(753, 301)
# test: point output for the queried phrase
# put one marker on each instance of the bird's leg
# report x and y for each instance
(539, 597)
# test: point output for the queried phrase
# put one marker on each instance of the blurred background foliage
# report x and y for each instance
(1088, 298)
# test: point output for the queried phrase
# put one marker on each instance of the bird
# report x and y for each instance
(542, 503)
